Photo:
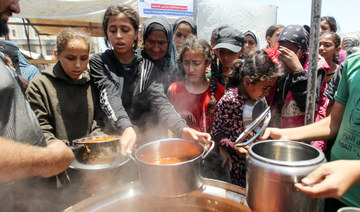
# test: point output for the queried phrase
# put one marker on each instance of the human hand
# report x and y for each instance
(226, 158)
(127, 141)
(331, 180)
(274, 133)
(188, 117)
(290, 59)
(60, 155)
(242, 151)
(191, 134)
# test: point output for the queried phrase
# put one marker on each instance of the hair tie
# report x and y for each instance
(273, 53)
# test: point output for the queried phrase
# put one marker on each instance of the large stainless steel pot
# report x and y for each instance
(272, 169)
(215, 196)
(171, 179)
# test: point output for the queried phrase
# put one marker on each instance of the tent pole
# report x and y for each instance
(313, 59)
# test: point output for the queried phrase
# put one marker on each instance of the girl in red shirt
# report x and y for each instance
(195, 98)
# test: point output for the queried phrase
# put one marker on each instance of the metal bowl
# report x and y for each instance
(252, 110)
(256, 117)
(97, 152)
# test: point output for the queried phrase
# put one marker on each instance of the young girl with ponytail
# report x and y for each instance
(196, 97)
(250, 80)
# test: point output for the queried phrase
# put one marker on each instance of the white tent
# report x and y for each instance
(238, 14)
(69, 10)
(45, 15)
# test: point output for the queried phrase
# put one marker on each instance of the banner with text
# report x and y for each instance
(167, 8)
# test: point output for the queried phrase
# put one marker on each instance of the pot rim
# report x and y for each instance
(317, 160)
(83, 140)
(166, 140)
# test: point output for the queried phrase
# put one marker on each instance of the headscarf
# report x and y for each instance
(295, 34)
(157, 23)
(253, 34)
(186, 20)
(351, 41)
(167, 64)
(11, 49)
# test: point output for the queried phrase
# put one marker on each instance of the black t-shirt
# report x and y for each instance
(332, 88)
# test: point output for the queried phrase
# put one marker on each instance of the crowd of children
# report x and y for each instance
(179, 85)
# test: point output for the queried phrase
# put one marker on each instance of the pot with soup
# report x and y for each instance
(171, 167)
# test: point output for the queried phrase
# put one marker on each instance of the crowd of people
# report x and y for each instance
(176, 85)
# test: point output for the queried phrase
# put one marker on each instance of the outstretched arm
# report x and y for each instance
(19, 160)
(331, 180)
(324, 129)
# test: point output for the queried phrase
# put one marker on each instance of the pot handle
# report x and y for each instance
(246, 133)
(128, 153)
(76, 149)
(208, 150)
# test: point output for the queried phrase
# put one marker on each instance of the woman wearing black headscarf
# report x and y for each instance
(183, 27)
(160, 49)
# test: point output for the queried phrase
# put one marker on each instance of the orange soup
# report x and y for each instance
(167, 161)
(105, 138)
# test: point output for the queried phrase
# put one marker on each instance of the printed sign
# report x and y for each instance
(167, 8)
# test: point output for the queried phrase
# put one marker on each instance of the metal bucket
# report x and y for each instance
(273, 167)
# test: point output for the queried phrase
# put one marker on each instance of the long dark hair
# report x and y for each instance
(331, 21)
(258, 67)
(201, 45)
(128, 12)
(337, 41)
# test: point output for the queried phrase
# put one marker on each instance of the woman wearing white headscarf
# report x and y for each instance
(252, 42)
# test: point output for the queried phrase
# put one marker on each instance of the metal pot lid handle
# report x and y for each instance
(265, 115)
(208, 150)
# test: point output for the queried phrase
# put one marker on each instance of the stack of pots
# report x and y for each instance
(273, 167)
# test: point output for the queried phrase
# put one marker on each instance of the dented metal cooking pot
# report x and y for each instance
(272, 169)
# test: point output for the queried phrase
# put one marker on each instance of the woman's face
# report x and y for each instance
(324, 26)
(156, 45)
(180, 35)
(274, 38)
(121, 34)
(327, 47)
(250, 45)
(228, 57)
(74, 58)
(194, 65)
(258, 90)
